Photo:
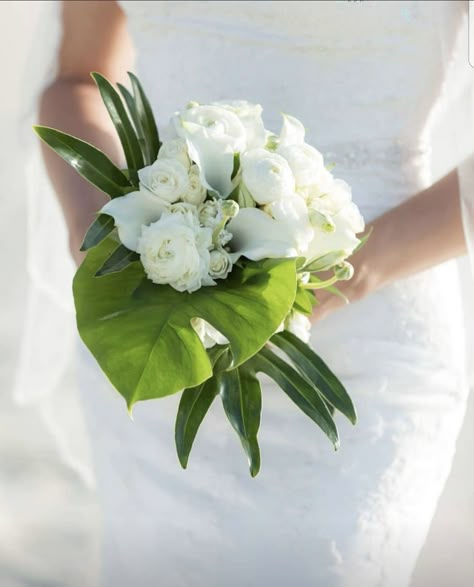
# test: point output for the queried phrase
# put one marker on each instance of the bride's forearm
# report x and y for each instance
(75, 107)
(422, 232)
(95, 38)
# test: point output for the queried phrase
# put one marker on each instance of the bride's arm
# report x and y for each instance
(420, 233)
(94, 39)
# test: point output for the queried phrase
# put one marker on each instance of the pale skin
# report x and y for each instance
(420, 233)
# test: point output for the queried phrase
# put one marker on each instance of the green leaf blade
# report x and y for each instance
(98, 230)
(118, 260)
(141, 334)
(123, 126)
(146, 117)
(317, 372)
(298, 389)
(89, 162)
(193, 407)
(132, 109)
(242, 400)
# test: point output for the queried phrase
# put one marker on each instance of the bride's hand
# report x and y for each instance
(423, 231)
(364, 281)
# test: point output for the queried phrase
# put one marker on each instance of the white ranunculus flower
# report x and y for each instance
(175, 251)
(133, 211)
(177, 150)
(305, 161)
(213, 134)
(299, 325)
(220, 124)
(196, 193)
(220, 264)
(209, 335)
(165, 178)
(250, 116)
(331, 197)
(267, 176)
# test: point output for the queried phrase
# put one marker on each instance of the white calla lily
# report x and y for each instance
(131, 212)
(258, 236)
(293, 213)
(348, 222)
(214, 157)
(292, 131)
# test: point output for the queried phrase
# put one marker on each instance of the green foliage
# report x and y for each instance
(123, 126)
(102, 226)
(317, 372)
(141, 333)
(88, 161)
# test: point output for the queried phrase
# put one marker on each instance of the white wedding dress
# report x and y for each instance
(367, 79)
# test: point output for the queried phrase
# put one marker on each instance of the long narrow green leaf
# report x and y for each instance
(118, 260)
(318, 373)
(132, 109)
(193, 407)
(298, 389)
(145, 115)
(89, 162)
(98, 230)
(242, 400)
(123, 126)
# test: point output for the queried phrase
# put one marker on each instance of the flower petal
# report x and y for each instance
(343, 237)
(214, 158)
(292, 131)
(257, 236)
(131, 212)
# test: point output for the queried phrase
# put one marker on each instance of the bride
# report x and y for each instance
(369, 79)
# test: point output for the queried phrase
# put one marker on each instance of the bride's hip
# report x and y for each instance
(411, 330)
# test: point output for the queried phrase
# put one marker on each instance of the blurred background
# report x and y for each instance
(49, 521)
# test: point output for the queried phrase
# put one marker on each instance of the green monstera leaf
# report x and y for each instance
(141, 335)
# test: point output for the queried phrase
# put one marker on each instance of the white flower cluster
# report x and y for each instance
(181, 237)
(227, 188)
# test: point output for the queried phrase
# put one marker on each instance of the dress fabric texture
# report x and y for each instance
(367, 79)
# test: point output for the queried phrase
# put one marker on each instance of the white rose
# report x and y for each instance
(299, 325)
(183, 208)
(166, 178)
(177, 150)
(175, 251)
(267, 176)
(220, 264)
(305, 161)
(207, 333)
(250, 115)
(196, 193)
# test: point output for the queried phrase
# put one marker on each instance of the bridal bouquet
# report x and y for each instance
(201, 269)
